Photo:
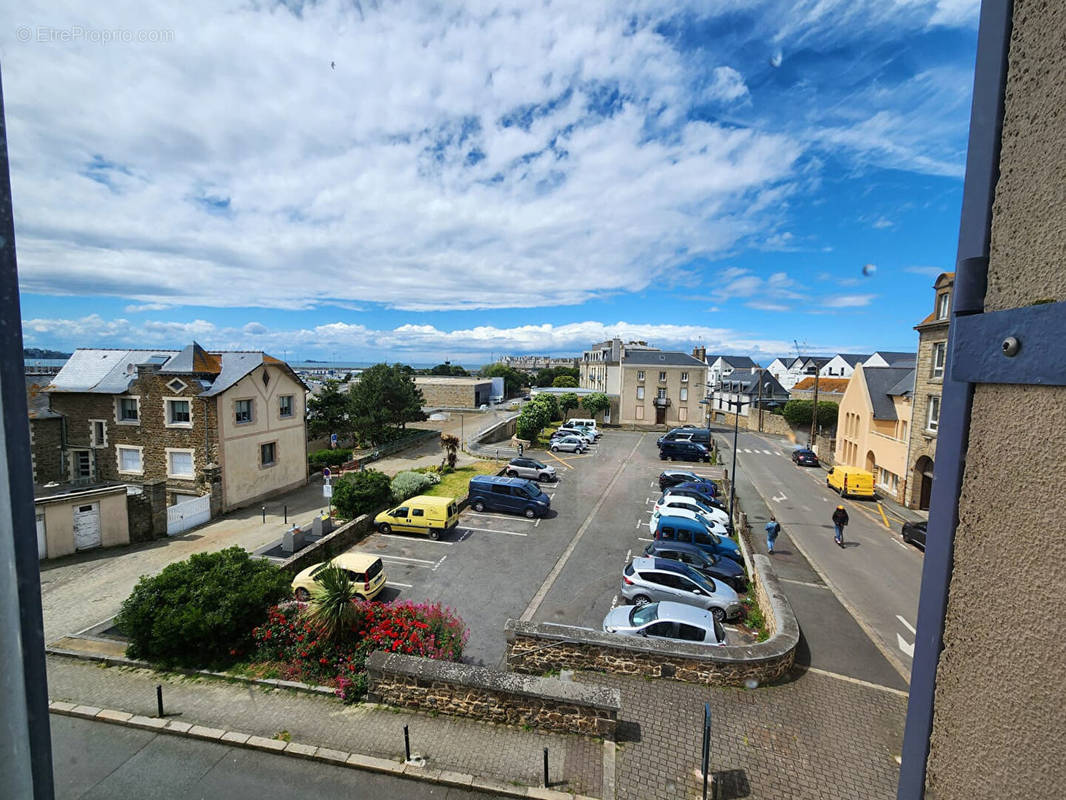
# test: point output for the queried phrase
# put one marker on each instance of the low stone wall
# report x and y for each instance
(330, 545)
(536, 648)
(771, 423)
(547, 704)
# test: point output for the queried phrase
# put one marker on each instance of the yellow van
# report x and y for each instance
(851, 481)
(422, 514)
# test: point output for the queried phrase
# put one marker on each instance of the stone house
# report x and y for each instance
(929, 380)
(46, 432)
(442, 391)
(873, 425)
(223, 429)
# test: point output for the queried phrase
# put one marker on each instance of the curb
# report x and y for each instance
(117, 661)
(337, 758)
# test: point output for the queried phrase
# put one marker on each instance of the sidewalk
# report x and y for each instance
(447, 743)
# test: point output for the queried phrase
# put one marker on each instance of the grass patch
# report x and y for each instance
(455, 483)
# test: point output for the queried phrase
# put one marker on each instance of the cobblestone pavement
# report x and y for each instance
(816, 738)
(495, 751)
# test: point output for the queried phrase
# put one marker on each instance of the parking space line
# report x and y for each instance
(550, 454)
(441, 561)
(404, 558)
(401, 585)
(642, 539)
(483, 514)
(490, 530)
(415, 538)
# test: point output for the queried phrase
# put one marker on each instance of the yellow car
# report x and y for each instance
(365, 572)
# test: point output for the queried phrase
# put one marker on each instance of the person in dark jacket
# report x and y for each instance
(773, 528)
(840, 519)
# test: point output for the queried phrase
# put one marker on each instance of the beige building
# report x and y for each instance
(928, 383)
(873, 425)
(441, 391)
(80, 520)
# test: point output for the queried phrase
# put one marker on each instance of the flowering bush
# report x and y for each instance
(290, 638)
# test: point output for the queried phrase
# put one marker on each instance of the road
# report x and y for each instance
(876, 577)
(101, 760)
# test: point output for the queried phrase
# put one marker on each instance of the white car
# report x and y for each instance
(569, 444)
(714, 526)
(675, 502)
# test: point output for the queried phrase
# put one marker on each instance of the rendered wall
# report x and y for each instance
(59, 520)
(998, 717)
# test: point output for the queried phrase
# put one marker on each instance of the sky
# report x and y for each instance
(414, 181)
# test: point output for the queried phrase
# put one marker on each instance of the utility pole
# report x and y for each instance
(760, 399)
(814, 408)
(736, 430)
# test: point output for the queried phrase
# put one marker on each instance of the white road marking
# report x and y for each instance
(614, 602)
(490, 530)
(805, 508)
(508, 517)
(537, 523)
(906, 624)
(767, 452)
(778, 499)
(439, 563)
(642, 539)
(804, 583)
(401, 585)
(403, 558)
(639, 523)
(744, 450)
(416, 538)
(908, 649)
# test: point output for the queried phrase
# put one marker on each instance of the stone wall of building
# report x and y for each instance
(547, 704)
(458, 393)
(771, 423)
(46, 445)
(923, 441)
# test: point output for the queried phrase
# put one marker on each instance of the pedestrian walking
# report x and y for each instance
(773, 528)
(840, 519)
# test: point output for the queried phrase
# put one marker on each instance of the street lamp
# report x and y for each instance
(736, 430)
(770, 390)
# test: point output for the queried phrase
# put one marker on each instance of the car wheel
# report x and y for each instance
(718, 614)
(555, 449)
(512, 474)
(302, 595)
(384, 527)
(641, 600)
(479, 506)
(545, 477)
(434, 533)
(530, 513)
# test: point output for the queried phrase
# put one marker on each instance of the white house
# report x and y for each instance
(888, 358)
(842, 365)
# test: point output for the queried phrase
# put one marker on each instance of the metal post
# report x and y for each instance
(264, 514)
(706, 746)
(407, 742)
(545, 767)
(814, 409)
(159, 700)
(733, 471)
(286, 514)
(760, 400)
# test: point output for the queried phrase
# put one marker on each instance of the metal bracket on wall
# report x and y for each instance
(1020, 345)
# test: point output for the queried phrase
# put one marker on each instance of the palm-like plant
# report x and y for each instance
(332, 609)
(450, 444)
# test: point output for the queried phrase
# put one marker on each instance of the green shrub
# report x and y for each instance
(200, 612)
(408, 484)
(361, 492)
(328, 458)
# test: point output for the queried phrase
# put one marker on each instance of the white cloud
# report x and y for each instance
(881, 223)
(726, 84)
(848, 300)
(142, 307)
(955, 13)
(741, 283)
(764, 306)
(931, 272)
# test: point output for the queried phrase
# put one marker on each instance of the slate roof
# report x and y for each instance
(736, 362)
(664, 358)
(854, 359)
(102, 371)
(749, 379)
(897, 359)
(883, 383)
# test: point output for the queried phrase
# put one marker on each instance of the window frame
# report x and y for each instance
(933, 425)
(251, 411)
(292, 406)
(273, 445)
(662, 376)
(93, 441)
(168, 420)
(943, 305)
(640, 374)
(118, 459)
(939, 360)
(640, 392)
(170, 452)
(119, 419)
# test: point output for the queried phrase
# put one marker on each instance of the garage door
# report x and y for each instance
(86, 526)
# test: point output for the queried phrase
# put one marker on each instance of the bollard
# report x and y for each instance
(159, 700)
(286, 514)
(545, 767)
(264, 514)
(407, 742)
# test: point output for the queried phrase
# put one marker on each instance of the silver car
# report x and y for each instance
(530, 468)
(666, 620)
(648, 579)
(569, 444)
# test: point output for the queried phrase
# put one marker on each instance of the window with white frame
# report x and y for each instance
(640, 392)
(128, 410)
(684, 393)
(268, 454)
(662, 376)
(97, 433)
(242, 411)
(684, 377)
(682, 415)
(285, 405)
(129, 459)
(940, 353)
(179, 413)
(180, 464)
(640, 374)
(942, 305)
(661, 393)
(932, 420)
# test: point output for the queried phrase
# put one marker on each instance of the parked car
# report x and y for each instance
(585, 422)
(530, 468)
(647, 579)
(687, 433)
(672, 477)
(569, 444)
(805, 457)
(706, 493)
(666, 620)
(421, 514)
(851, 481)
(669, 500)
(708, 564)
(585, 429)
(914, 532)
(515, 495)
(365, 571)
(683, 451)
(713, 525)
(680, 529)
(561, 432)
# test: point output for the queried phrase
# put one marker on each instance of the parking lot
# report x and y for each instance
(564, 568)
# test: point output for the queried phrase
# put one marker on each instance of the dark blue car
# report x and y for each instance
(714, 566)
(703, 492)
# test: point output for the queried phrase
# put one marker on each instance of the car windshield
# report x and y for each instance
(703, 583)
(710, 523)
(642, 615)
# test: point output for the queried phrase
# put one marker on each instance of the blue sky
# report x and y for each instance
(415, 182)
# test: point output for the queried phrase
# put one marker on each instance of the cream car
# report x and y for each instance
(364, 570)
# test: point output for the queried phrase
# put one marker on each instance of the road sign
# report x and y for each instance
(326, 473)
(327, 491)
(333, 440)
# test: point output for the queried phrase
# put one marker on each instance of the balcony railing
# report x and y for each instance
(661, 402)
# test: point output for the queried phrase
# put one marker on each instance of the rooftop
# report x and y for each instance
(884, 383)
(837, 385)
(662, 358)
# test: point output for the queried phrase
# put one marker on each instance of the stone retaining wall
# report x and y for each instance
(330, 545)
(547, 704)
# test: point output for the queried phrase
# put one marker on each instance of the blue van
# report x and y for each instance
(677, 450)
(514, 495)
(683, 529)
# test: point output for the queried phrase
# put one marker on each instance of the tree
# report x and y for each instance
(448, 368)
(385, 396)
(361, 492)
(565, 382)
(547, 376)
(532, 420)
(568, 401)
(550, 404)
(513, 380)
(595, 403)
(450, 444)
(798, 413)
(328, 412)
